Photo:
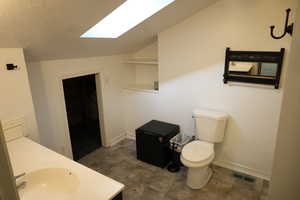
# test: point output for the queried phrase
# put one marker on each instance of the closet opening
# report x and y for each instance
(82, 109)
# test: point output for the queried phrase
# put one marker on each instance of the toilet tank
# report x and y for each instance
(210, 125)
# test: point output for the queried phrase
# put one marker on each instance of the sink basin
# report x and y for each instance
(49, 183)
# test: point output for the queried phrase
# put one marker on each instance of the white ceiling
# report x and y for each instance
(50, 29)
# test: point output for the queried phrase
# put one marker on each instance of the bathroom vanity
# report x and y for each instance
(62, 176)
(50, 175)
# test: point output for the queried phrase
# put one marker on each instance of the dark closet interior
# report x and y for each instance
(83, 115)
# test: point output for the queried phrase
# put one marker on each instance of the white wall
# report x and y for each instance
(146, 74)
(148, 52)
(45, 79)
(285, 182)
(191, 65)
(16, 99)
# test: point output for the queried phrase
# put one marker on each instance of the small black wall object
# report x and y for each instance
(11, 66)
(287, 29)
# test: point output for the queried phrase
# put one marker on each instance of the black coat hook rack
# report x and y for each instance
(288, 27)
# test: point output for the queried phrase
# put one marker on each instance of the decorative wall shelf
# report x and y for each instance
(260, 59)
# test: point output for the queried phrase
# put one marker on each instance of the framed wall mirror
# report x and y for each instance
(260, 67)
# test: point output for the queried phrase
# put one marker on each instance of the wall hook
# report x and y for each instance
(288, 28)
(11, 67)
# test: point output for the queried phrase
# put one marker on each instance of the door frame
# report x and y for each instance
(99, 89)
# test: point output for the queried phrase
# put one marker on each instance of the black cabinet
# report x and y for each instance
(152, 142)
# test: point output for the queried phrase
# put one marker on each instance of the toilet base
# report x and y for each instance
(198, 177)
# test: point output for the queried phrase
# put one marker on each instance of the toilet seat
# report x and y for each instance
(197, 153)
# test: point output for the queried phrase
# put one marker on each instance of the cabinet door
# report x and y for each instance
(150, 149)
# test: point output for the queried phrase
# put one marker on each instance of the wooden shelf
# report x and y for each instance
(142, 62)
(142, 88)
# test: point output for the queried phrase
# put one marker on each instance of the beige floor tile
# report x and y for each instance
(146, 182)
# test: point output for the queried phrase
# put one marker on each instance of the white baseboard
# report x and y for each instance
(242, 169)
(130, 135)
(116, 140)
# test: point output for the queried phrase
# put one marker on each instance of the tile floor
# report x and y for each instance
(147, 182)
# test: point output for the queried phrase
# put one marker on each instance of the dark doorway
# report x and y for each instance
(83, 116)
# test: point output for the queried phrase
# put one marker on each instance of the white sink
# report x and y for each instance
(49, 183)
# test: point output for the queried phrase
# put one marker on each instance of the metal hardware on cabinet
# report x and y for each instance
(287, 29)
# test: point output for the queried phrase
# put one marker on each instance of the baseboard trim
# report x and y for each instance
(130, 135)
(116, 140)
(242, 169)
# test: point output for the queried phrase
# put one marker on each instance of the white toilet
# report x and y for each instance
(198, 154)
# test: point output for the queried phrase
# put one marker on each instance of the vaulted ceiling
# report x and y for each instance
(50, 29)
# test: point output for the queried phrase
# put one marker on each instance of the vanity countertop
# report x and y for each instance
(27, 156)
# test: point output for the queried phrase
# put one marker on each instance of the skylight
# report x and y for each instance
(125, 17)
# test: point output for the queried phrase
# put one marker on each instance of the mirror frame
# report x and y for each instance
(254, 56)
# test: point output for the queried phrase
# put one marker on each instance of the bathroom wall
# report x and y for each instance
(45, 80)
(150, 52)
(285, 182)
(16, 100)
(191, 65)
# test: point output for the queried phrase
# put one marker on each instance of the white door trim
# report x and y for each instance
(99, 87)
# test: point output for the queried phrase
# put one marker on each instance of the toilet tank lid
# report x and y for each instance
(210, 113)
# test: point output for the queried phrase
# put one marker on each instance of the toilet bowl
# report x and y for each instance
(199, 154)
